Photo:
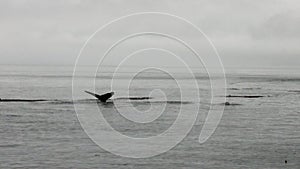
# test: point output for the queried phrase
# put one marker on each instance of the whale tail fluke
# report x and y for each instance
(103, 97)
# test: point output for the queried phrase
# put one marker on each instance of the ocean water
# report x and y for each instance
(253, 132)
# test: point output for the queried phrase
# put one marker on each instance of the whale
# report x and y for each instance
(103, 97)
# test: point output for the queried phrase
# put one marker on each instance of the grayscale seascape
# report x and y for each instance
(143, 84)
(253, 133)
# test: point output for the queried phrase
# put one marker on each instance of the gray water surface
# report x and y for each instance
(255, 133)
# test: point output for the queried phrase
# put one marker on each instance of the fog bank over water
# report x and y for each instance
(256, 33)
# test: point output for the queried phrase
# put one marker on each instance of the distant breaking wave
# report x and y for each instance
(246, 88)
(150, 77)
(296, 91)
(133, 98)
(145, 100)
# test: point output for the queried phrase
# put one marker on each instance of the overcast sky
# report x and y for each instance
(252, 33)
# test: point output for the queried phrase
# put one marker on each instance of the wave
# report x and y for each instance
(246, 96)
(9, 145)
(247, 88)
(173, 102)
(23, 100)
(11, 115)
(137, 100)
(270, 78)
(123, 76)
(295, 91)
(133, 98)
(230, 104)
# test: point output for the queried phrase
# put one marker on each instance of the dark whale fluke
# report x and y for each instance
(102, 97)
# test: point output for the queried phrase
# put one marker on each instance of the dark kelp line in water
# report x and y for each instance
(62, 101)
(56, 101)
(246, 96)
(23, 100)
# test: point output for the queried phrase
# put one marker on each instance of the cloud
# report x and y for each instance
(246, 32)
(280, 26)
